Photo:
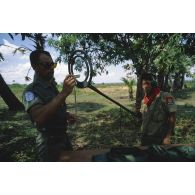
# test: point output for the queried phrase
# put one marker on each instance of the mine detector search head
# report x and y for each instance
(79, 59)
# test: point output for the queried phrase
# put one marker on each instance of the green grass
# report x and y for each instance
(101, 124)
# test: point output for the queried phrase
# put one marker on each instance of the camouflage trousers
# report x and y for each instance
(49, 147)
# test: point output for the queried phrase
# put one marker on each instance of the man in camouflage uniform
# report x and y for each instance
(47, 108)
(158, 113)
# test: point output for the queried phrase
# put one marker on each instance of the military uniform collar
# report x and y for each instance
(38, 79)
(159, 94)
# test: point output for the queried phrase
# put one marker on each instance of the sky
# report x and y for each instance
(15, 67)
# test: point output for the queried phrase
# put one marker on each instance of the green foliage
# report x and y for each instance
(153, 52)
(68, 43)
(128, 82)
(189, 43)
(39, 40)
(173, 58)
(17, 137)
(169, 54)
(101, 124)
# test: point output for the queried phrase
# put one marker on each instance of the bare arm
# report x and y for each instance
(42, 113)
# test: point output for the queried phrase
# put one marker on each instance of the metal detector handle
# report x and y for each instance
(107, 97)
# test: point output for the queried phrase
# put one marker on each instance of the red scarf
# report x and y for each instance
(149, 99)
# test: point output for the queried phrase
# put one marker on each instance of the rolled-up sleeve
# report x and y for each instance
(170, 103)
(30, 99)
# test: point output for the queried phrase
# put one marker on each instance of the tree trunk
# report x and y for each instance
(139, 93)
(9, 98)
(131, 93)
(176, 82)
(182, 80)
(166, 83)
(160, 79)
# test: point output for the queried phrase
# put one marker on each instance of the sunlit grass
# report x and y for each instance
(101, 124)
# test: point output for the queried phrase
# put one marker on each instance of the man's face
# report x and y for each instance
(146, 85)
(44, 67)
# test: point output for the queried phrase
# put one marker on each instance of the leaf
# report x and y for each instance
(11, 36)
(22, 50)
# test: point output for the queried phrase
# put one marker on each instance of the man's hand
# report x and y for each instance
(171, 125)
(43, 113)
(70, 118)
(68, 85)
(166, 141)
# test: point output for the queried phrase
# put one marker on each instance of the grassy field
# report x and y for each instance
(100, 124)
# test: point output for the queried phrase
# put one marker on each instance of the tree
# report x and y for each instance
(129, 83)
(10, 99)
(167, 56)
(39, 40)
(189, 44)
(138, 51)
(8, 96)
(173, 63)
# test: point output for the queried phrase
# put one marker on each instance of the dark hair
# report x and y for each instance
(34, 56)
(147, 77)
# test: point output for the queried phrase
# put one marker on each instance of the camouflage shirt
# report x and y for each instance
(155, 116)
(40, 92)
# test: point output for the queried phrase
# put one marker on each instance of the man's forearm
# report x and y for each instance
(44, 113)
(171, 124)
